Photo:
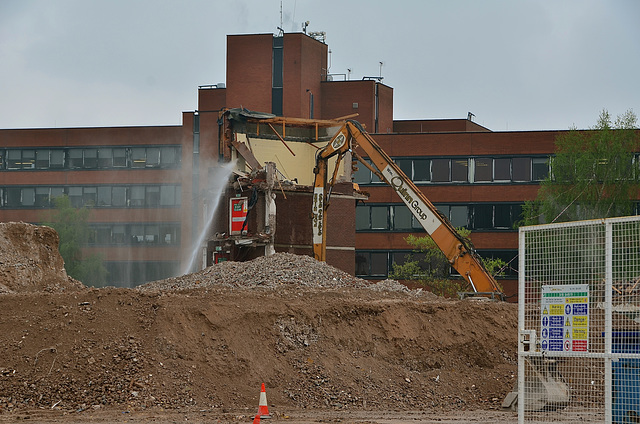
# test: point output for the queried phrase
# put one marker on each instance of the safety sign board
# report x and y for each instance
(237, 214)
(564, 318)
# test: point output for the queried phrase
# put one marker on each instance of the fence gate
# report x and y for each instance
(579, 321)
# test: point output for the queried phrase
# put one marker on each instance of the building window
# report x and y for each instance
(28, 196)
(152, 197)
(55, 193)
(539, 168)
(372, 263)
(75, 196)
(421, 170)
(104, 196)
(402, 217)
(14, 197)
(406, 166)
(482, 217)
(138, 157)
(43, 197)
(440, 170)
(460, 170)
(379, 218)
(105, 158)
(521, 168)
(119, 196)
(42, 159)
(459, 216)
(75, 159)
(119, 157)
(483, 170)
(56, 159)
(153, 157)
(90, 158)
(89, 196)
(502, 169)
(169, 157)
(137, 196)
(362, 175)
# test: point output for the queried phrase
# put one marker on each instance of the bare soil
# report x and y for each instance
(328, 347)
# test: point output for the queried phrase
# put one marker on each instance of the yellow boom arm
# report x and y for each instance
(456, 248)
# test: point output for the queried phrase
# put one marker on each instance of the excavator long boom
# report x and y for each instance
(457, 249)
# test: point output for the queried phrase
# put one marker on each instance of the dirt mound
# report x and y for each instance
(340, 348)
(317, 338)
(30, 261)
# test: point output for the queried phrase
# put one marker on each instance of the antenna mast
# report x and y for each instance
(280, 30)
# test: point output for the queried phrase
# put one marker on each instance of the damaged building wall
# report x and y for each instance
(274, 178)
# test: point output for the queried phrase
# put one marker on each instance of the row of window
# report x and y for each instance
(117, 196)
(466, 170)
(91, 158)
(378, 264)
(156, 234)
(131, 274)
(397, 217)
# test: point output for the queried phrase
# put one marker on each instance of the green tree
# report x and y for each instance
(593, 174)
(429, 266)
(73, 229)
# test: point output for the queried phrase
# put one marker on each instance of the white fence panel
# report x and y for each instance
(579, 320)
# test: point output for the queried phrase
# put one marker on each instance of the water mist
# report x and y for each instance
(210, 196)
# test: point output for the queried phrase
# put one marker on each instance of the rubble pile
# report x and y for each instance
(277, 270)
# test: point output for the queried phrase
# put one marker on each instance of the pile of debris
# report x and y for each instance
(30, 261)
(277, 271)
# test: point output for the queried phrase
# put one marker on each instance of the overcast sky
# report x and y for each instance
(516, 65)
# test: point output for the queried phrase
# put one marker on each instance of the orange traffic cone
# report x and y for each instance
(263, 408)
(256, 420)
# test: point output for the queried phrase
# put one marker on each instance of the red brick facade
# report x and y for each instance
(249, 84)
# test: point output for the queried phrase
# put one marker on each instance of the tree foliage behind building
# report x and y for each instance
(593, 174)
(428, 266)
(73, 229)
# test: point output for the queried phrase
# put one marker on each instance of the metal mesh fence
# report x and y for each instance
(579, 320)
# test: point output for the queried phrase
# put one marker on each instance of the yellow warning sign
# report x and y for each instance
(567, 322)
(545, 311)
(556, 309)
(577, 300)
(581, 321)
(580, 333)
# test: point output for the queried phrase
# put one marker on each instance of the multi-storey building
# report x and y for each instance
(145, 184)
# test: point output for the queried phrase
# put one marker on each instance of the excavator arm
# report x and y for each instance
(457, 249)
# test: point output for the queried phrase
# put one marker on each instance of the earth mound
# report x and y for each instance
(30, 261)
(318, 339)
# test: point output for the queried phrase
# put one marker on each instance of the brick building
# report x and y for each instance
(146, 185)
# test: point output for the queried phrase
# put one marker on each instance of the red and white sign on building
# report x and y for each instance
(237, 214)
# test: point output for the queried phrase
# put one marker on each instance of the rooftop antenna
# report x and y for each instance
(304, 26)
(381, 63)
(348, 74)
(281, 31)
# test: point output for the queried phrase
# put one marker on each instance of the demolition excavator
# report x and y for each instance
(551, 392)
(458, 249)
